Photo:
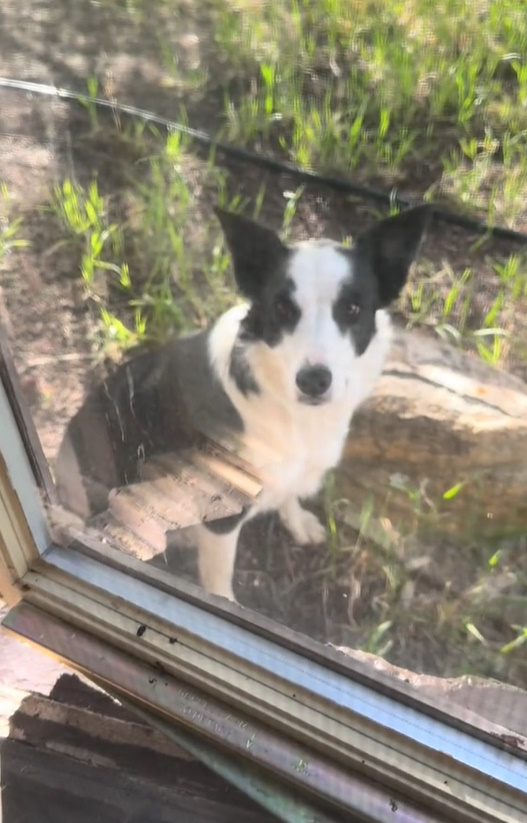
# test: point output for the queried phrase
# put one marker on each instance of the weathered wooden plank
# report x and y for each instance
(180, 490)
(121, 537)
(177, 490)
(132, 510)
(228, 465)
(51, 788)
(202, 493)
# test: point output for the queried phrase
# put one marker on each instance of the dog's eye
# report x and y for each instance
(352, 309)
(285, 310)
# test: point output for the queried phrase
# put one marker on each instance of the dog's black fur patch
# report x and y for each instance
(206, 401)
(260, 262)
(355, 307)
(379, 263)
(274, 313)
(257, 252)
(241, 372)
(385, 252)
(226, 524)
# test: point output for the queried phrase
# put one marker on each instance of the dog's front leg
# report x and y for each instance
(216, 544)
(303, 526)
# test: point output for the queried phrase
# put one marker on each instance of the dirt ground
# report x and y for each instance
(51, 324)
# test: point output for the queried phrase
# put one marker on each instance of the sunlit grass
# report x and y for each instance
(403, 89)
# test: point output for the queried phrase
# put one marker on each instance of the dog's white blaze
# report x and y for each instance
(318, 270)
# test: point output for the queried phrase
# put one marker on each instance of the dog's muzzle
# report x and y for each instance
(313, 383)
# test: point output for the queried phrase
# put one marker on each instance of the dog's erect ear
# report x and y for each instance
(391, 247)
(257, 252)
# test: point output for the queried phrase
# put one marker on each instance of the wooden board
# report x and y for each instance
(181, 490)
(176, 491)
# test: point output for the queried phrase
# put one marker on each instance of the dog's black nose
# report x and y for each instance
(314, 381)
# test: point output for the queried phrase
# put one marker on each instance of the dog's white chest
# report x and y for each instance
(292, 453)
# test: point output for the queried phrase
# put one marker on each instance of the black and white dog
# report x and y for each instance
(283, 373)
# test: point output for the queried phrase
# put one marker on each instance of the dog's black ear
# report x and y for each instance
(391, 247)
(257, 252)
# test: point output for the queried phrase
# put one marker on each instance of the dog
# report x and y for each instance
(282, 373)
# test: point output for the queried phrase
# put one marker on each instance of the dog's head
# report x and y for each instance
(312, 306)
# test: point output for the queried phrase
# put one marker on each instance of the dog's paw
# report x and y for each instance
(303, 526)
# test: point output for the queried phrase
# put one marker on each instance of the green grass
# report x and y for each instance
(443, 299)
(179, 274)
(428, 95)
(465, 600)
(178, 277)
(415, 91)
(10, 226)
